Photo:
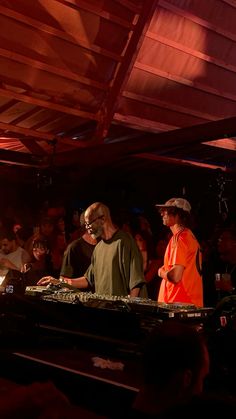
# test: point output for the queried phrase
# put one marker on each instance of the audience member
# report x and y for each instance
(175, 365)
(59, 245)
(77, 256)
(226, 247)
(40, 265)
(219, 269)
(12, 257)
(77, 232)
(44, 231)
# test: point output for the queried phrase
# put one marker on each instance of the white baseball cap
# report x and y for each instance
(176, 202)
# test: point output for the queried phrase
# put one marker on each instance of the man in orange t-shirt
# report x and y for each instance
(181, 272)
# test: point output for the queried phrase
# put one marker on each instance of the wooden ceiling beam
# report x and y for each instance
(183, 13)
(7, 105)
(178, 161)
(230, 2)
(8, 129)
(39, 65)
(196, 134)
(193, 52)
(182, 80)
(123, 71)
(44, 122)
(24, 116)
(46, 104)
(20, 159)
(33, 146)
(129, 5)
(142, 123)
(151, 143)
(26, 131)
(91, 8)
(169, 106)
(83, 43)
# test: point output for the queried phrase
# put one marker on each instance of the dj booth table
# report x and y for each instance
(90, 354)
(90, 346)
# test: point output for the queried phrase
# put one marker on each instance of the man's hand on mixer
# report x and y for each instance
(48, 280)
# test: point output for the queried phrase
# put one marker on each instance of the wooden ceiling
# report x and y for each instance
(98, 81)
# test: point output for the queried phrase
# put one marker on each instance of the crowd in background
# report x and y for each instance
(45, 235)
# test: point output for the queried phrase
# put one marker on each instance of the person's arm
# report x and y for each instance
(81, 282)
(173, 275)
(135, 292)
(6, 263)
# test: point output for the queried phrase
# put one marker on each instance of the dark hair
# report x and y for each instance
(184, 216)
(40, 244)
